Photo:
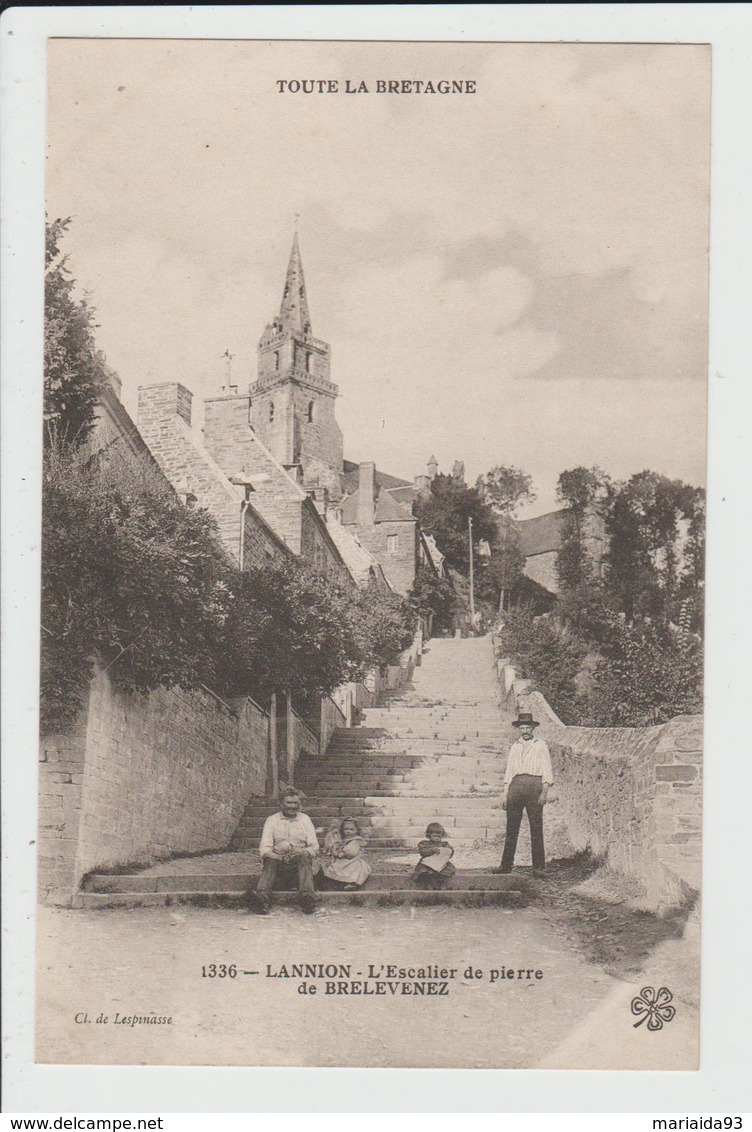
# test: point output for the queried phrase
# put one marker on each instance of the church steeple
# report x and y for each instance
(293, 313)
(292, 399)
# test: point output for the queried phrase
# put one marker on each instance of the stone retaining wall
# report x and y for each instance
(142, 777)
(631, 795)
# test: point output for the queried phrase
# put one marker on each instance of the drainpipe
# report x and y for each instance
(243, 512)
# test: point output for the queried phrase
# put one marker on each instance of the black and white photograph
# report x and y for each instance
(373, 508)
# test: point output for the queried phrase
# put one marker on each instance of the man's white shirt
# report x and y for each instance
(529, 756)
(298, 832)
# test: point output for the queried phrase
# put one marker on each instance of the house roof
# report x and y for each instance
(403, 495)
(388, 510)
(351, 478)
(359, 561)
(542, 534)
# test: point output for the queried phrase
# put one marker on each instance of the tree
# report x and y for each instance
(383, 624)
(504, 488)
(647, 675)
(656, 546)
(130, 577)
(547, 653)
(73, 371)
(432, 596)
(292, 626)
(444, 513)
(580, 490)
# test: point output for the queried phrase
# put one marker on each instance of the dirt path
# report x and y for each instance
(150, 959)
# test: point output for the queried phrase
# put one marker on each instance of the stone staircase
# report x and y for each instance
(434, 751)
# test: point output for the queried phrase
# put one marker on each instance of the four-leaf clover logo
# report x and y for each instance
(654, 1007)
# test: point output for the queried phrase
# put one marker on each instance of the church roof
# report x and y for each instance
(542, 534)
(293, 313)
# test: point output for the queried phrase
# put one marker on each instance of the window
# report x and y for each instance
(307, 362)
(271, 411)
(310, 411)
(276, 359)
(392, 544)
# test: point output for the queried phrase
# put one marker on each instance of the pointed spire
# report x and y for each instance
(293, 313)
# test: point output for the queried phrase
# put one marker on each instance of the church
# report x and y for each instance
(292, 410)
(270, 465)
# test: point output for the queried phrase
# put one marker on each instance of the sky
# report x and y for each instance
(516, 276)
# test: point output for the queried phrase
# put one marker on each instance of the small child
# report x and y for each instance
(434, 869)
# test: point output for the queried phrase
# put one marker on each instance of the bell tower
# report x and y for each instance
(292, 399)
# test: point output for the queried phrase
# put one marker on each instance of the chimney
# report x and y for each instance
(157, 403)
(227, 432)
(366, 494)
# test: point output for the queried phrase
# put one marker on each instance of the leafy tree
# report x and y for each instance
(73, 372)
(129, 576)
(504, 488)
(548, 654)
(647, 675)
(498, 579)
(656, 536)
(579, 489)
(293, 626)
(432, 596)
(383, 624)
(444, 513)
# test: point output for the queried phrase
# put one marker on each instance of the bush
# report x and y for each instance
(383, 624)
(432, 596)
(548, 654)
(647, 675)
(129, 576)
(74, 374)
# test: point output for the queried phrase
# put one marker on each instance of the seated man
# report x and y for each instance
(288, 848)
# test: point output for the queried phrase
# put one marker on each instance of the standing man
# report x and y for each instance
(288, 848)
(526, 782)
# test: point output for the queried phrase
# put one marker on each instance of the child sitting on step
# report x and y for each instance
(343, 862)
(435, 868)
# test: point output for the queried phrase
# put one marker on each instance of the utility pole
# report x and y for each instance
(472, 578)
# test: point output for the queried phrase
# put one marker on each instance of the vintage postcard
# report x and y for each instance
(373, 554)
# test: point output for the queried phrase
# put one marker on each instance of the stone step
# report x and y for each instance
(473, 898)
(382, 843)
(174, 885)
(379, 829)
(400, 762)
(384, 806)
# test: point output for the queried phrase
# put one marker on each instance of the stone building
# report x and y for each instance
(290, 412)
(261, 512)
(541, 539)
(292, 400)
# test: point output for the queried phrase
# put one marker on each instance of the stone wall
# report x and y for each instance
(164, 417)
(631, 795)
(282, 503)
(142, 777)
(400, 567)
(542, 569)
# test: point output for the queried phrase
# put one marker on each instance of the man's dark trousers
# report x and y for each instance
(299, 871)
(524, 792)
